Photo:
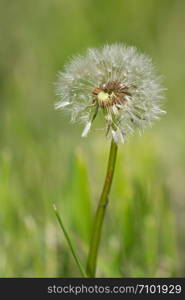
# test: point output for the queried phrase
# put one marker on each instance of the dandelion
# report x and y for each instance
(116, 80)
(122, 84)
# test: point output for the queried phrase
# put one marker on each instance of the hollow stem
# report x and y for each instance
(100, 213)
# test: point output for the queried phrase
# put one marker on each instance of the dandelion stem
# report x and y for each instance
(100, 213)
(77, 260)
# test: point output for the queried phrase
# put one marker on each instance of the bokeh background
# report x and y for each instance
(44, 160)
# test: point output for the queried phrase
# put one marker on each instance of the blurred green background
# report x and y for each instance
(44, 160)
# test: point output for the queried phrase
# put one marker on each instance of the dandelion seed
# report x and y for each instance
(86, 129)
(117, 80)
(61, 104)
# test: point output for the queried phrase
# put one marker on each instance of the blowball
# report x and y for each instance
(116, 80)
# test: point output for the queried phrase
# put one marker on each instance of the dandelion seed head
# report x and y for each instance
(119, 81)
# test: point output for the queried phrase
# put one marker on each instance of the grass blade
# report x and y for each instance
(76, 258)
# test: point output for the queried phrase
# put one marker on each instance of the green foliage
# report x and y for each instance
(44, 160)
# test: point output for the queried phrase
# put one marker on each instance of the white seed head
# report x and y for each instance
(117, 80)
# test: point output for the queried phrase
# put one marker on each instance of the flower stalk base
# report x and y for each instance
(100, 213)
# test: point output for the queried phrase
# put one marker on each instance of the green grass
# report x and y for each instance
(44, 160)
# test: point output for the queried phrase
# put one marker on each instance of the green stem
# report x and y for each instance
(77, 260)
(99, 217)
